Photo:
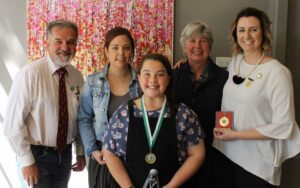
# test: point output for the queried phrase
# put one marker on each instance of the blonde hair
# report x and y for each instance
(265, 24)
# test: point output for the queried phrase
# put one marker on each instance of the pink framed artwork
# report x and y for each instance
(151, 23)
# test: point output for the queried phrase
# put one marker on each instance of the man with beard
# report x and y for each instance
(40, 122)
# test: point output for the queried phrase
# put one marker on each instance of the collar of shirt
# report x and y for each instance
(54, 67)
(207, 74)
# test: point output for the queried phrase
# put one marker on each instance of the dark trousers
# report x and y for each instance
(228, 174)
(54, 167)
(205, 175)
(99, 176)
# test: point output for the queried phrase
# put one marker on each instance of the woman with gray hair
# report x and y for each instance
(199, 84)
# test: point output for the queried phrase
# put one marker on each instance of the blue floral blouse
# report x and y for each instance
(189, 131)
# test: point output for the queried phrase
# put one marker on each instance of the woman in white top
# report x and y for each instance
(259, 92)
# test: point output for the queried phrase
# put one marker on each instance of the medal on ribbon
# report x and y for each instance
(150, 157)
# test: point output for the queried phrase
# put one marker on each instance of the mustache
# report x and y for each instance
(65, 53)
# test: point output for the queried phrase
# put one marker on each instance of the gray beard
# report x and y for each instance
(61, 63)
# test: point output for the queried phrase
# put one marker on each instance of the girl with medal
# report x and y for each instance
(152, 132)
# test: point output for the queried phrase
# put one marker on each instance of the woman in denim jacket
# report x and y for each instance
(102, 94)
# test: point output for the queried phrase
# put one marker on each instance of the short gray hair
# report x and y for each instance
(61, 23)
(196, 28)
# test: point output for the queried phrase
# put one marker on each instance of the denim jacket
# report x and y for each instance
(92, 113)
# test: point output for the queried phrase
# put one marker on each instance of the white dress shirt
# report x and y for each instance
(32, 111)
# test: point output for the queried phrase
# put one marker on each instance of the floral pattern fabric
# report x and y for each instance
(189, 131)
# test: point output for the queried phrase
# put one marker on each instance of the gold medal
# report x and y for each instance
(150, 158)
(224, 121)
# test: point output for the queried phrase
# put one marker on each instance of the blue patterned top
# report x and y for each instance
(189, 131)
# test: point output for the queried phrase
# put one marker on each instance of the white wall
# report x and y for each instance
(219, 15)
(12, 58)
(291, 178)
(12, 44)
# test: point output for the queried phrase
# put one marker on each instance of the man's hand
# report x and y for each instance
(31, 174)
(179, 63)
(98, 156)
(80, 163)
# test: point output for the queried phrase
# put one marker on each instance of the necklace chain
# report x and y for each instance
(257, 63)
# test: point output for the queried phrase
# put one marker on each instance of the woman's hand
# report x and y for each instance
(98, 156)
(224, 134)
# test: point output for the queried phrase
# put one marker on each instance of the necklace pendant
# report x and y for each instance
(237, 79)
(150, 158)
(248, 83)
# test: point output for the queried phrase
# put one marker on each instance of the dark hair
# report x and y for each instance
(265, 24)
(117, 31)
(166, 63)
(61, 23)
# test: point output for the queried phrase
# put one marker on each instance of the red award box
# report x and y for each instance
(224, 119)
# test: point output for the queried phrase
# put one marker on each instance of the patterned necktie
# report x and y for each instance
(62, 132)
